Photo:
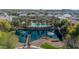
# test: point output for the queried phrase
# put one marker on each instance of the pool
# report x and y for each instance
(38, 25)
(35, 35)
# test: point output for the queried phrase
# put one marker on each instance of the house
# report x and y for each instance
(64, 16)
(5, 16)
(23, 14)
(49, 15)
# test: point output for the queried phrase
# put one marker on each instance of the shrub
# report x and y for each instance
(48, 46)
(8, 40)
(5, 25)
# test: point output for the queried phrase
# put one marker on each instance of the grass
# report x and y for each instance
(48, 46)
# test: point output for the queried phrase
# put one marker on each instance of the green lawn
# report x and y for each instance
(48, 46)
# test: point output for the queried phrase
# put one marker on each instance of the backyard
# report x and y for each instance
(66, 31)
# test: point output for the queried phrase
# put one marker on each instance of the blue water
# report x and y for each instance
(22, 35)
(38, 25)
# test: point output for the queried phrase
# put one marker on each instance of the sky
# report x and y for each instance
(39, 4)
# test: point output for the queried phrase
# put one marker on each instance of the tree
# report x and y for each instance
(73, 32)
(64, 21)
(60, 27)
(5, 25)
(8, 40)
(63, 26)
